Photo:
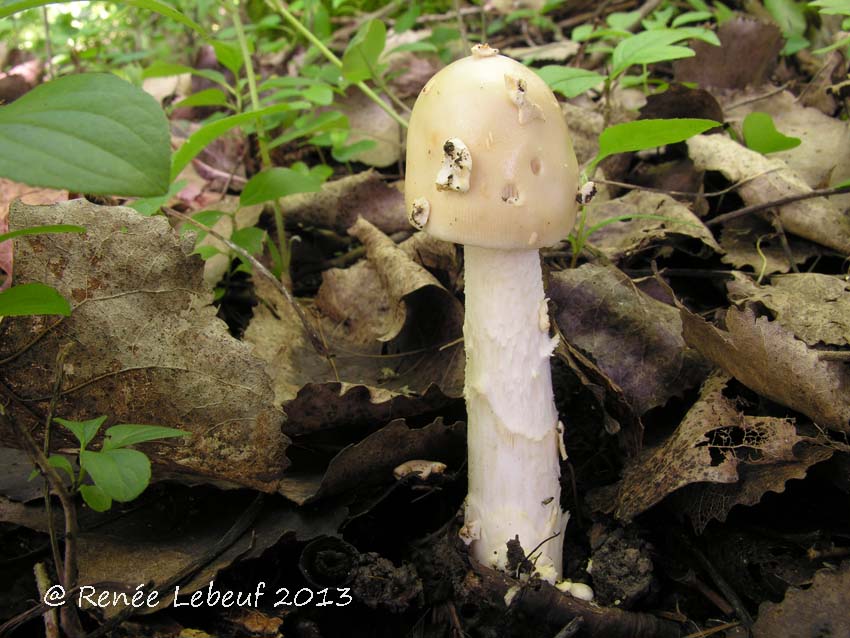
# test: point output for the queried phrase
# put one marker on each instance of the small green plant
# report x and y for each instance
(117, 472)
(834, 7)
(760, 134)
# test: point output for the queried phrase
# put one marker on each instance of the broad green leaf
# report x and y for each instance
(249, 239)
(345, 153)
(206, 217)
(41, 230)
(623, 20)
(690, 17)
(276, 183)
(569, 81)
(126, 434)
(91, 133)
(649, 47)
(61, 463)
(408, 18)
(832, 7)
(229, 54)
(205, 252)
(311, 123)
(207, 97)
(360, 60)
(85, 431)
(320, 94)
(122, 474)
(32, 299)
(760, 134)
(14, 6)
(645, 134)
(95, 498)
(207, 133)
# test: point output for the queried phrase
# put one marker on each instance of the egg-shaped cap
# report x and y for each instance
(490, 161)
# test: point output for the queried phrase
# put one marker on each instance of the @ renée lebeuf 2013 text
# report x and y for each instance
(209, 596)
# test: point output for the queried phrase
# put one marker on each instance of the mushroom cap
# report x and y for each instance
(515, 187)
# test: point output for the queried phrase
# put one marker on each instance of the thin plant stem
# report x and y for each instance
(280, 7)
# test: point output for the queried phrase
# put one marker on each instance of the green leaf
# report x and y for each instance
(42, 230)
(789, 15)
(229, 54)
(126, 434)
(92, 133)
(623, 20)
(209, 132)
(61, 463)
(207, 97)
(360, 60)
(406, 20)
(760, 134)
(206, 217)
(345, 153)
(649, 47)
(275, 183)
(12, 6)
(161, 69)
(312, 123)
(95, 498)
(645, 134)
(85, 431)
(32, 299)
(569, 81)
(206, 252)
(249, 239)
(690, 17)
(148, 206)
(122, 474)
(832, 7)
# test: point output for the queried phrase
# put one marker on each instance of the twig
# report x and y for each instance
(70, 620)
(783, 240)
(313, 336)
(51, 619)
(782, 201)
(834, 355)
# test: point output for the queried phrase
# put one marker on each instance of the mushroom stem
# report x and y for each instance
(513, 436)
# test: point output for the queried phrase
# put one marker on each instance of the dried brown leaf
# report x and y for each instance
(747, 54)
(147, 346)
(815, 307)
(820, 610)
(767, 180)
(341, 202)
(624, 239)
(738, 238)
(634, 339)
(767, 358)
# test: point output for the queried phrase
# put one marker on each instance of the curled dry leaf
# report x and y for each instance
(739, 237)
(815, 307)
(634, 339)
(147, 346)
(682, 230)
(769, 360)
(819, 610)
(714, 443)
(339, 203)
(385, 320)
(767, 180)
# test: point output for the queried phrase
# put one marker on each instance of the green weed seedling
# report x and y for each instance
(116, 471)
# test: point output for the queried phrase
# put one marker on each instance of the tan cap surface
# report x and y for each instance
(489, 158)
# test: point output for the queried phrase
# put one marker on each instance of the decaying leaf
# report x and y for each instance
(767, 358)
(815, 307)
(146, 345)
(714, 443)
(372, 460)
(767, 180)
(820, 610)
(634, 339)
(369, 121)
(585, 126)
(682, 230)
(747, 55)
(823, 157)
(739, 237)
(341, 202)
(704, 502)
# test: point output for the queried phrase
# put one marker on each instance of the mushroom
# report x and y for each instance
(490, 165)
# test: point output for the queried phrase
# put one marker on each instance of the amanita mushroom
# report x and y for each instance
(490, 165)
